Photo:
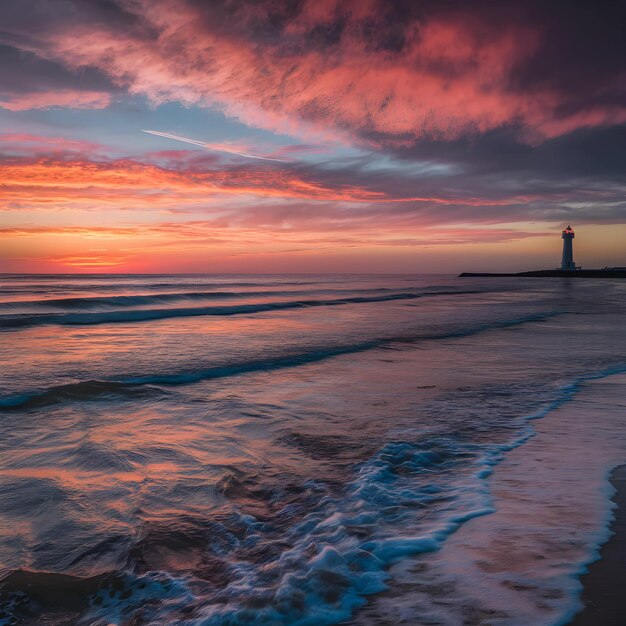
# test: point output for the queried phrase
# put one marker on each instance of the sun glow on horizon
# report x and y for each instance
(286, 154)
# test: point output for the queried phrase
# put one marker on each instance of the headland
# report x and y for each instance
(609, 272)
(568, 268)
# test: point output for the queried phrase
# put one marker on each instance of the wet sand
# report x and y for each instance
(518, 565)
(603, 593)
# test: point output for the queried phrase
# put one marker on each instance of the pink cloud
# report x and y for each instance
(74, 99)
(28, 144)
(451, 77)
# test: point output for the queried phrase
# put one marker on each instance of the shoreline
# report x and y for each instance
(603, 584)
(555, 510)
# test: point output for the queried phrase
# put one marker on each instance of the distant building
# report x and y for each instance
(567, 263)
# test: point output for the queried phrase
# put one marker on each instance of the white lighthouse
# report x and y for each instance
(567, 263)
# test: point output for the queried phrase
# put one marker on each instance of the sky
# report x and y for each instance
(432, 136)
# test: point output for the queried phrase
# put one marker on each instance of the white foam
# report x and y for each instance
(521, 564)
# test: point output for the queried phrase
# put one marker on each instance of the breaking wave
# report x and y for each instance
(316, 567)
(94, 389)
(143, 315)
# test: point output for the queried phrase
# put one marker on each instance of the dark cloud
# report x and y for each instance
(401, 70)
(583, 48)
(521, 104)
(596, 152)
(31, 18)
(23, 72)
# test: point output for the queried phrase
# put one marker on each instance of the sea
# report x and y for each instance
(304, 450)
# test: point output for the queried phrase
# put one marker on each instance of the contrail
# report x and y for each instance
(209, 146)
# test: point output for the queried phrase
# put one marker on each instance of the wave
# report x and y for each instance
(144, 315)
(93, 302)
(81, 391)
(95, 389)
(405, 500)
(47, 287)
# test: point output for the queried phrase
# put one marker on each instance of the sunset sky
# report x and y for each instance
(415, 136)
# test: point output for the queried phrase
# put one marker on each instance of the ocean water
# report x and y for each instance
(299, 449)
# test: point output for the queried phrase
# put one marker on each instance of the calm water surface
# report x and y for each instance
(261, 449)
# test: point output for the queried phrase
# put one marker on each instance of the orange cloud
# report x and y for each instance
(93, 261)
(219, 231)
(67, 181)
(126, 183)
(205, 246)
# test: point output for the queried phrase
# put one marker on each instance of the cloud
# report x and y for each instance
(217, 232)
(56, 183)
(28, 82)
(55, 175)
(421, 124)
(48, 99)
(28, 144)
(399, 71)
(90, 261)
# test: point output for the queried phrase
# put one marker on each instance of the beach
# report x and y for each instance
(552, 507)
(297, 449)
(603, 586)
(312, 313)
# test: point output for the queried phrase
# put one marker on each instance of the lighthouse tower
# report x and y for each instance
(568, 249)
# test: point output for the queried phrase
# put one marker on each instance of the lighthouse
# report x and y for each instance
(568, 249)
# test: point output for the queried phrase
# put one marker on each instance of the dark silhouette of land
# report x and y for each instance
(609, 272)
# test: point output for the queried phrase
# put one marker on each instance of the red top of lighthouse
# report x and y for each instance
(568, 231)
